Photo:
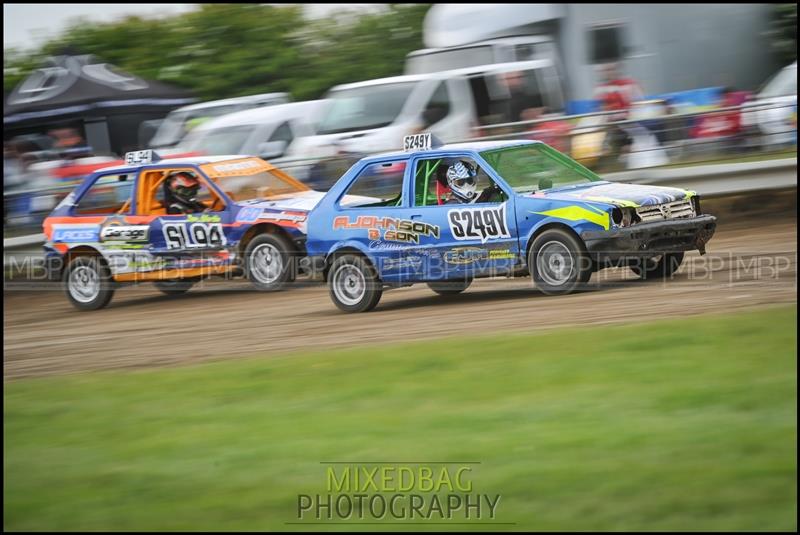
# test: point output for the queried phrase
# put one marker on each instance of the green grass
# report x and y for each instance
(680, 424)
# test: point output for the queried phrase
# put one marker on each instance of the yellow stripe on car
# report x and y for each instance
(577, 213)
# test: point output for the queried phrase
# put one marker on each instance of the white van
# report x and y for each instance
(375, 115)
(774, 108)
(267, 132)
(175, 126)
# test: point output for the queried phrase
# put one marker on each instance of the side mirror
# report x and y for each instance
(272, 149)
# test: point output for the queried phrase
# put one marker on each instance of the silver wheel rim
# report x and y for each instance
(349, 284)
(84, 284)
(555, 263)
(266, 263)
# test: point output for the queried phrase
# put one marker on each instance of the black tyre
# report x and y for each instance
(659, 267)
(449, 287)
(88, 283)
(558, 262)
(268, 262)
(175, 287)
(354, 285)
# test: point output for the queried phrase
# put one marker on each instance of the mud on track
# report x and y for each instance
(750, 263)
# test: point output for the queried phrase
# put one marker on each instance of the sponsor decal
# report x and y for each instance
(283, 216)
(76, 233)
(482, 224)
(203, 218)
(388, 228)
(469, 255)
(117, 232)
(248, 214)
(179, 235)
(404, 262)
(238, 166)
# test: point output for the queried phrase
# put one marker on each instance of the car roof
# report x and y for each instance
(192, 160)
(234, 100)
(264, 114)
(468, 146)
(389, 80)
(489, 68)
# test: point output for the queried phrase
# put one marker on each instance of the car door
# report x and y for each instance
(374, 212)
(192, 240)
(474, 239)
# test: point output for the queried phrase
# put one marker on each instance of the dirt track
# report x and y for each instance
(752, 264)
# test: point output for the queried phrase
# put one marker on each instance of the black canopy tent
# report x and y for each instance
(107, 104)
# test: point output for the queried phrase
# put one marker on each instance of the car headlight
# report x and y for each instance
(623, 217)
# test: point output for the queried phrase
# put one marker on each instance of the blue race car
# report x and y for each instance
(449, 214)
(248, 219)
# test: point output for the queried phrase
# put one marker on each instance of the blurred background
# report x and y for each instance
(314, 87)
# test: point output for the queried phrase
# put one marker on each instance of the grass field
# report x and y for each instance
(680, 424)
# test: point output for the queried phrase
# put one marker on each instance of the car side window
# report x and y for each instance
(153, 195)
(108, 195)
(283, 133)
(438, 107)
(378, 184)
(431, 187)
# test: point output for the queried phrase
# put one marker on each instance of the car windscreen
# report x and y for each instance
(363, 108)
(448, 59)
(782, 84)
(178, 123)
(261, 185)
(217, 141)
(537, 167)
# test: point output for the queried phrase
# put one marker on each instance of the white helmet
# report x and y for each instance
(463, 180)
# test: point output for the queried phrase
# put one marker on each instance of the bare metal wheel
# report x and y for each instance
(88, 283)
(354, 284)
(268, 262)
(558, 262)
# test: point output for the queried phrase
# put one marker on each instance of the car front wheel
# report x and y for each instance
(558, 262)
(268, 262)
(88, 283)
(354, 284)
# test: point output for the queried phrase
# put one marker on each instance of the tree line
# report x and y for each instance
(228, 50)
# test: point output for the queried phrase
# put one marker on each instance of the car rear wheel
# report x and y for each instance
(659, 267)
(449, 287)
(558, 262)
(268, 262)
(354, 284)
(88, 283)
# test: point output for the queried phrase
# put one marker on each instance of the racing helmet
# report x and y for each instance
(463, 180)
(184, 186)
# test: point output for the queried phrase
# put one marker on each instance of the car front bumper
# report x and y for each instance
(649, 239)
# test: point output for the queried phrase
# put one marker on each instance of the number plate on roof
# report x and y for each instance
(417, 142)
(139, 157)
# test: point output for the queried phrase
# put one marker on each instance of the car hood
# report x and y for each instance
(615, 193)
(303, 201)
